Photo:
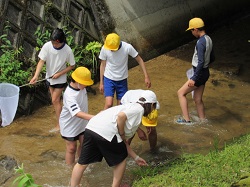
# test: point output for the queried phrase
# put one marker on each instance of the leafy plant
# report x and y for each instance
(41, 38)
(11, 68)
(78, 50)
(25, 179)
(94, 47)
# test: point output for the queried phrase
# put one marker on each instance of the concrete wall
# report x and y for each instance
(155, 26)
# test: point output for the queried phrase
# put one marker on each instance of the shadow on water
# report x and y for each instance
(226, 100)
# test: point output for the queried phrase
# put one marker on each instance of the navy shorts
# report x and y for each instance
(110, 87)
(202, 77)
(57, 85)
(72, 139)
(95, 148)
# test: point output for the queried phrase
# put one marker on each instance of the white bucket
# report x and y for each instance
(9, 96)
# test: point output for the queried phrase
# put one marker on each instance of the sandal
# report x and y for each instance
(183, 121)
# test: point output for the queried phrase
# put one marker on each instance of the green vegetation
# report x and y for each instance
(228, 167)
(11, 68)
(94, 48)
(25, 179)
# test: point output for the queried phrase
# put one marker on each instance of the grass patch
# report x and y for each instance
(228, 167)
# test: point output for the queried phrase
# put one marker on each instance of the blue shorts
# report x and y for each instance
(110, 87)
(202, 77)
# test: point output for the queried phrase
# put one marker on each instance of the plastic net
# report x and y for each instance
(9, 96)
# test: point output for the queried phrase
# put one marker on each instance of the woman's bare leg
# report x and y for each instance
(198, 93)
(108, 102)
(56, 101)
(182, 92)
(77, 174)
(152, 138)
(70, 154)
(118, 173)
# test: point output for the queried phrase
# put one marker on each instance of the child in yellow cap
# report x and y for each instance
(106, 137)
(202, 57)
(149, 121)
(74, 116)
(114, 68)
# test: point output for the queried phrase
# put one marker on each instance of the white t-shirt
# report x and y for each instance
(56, 60)
(104, 123)
(74, 101)
(117, 61)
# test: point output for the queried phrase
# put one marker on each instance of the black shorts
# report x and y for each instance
(72, 139)
(96, 147)
(57, 85)
(202, 77)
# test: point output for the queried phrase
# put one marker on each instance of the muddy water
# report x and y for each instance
(226, 100)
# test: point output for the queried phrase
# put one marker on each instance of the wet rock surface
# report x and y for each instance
(7, 165)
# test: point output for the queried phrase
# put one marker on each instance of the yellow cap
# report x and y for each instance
(195, 23)
(83, 76)
(151, 119)
(112, 42)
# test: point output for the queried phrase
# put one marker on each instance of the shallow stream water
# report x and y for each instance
(226, 101)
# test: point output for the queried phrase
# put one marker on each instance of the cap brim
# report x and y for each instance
(110, 48)
(86, 83)
(148, 123)
(115, 49)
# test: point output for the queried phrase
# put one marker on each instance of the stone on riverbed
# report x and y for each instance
(7, 165)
